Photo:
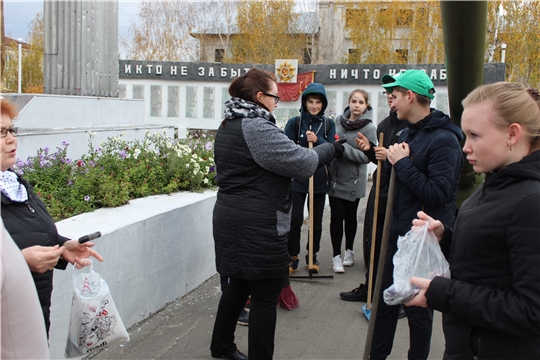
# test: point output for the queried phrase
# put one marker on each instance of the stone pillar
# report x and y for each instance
(81, 47)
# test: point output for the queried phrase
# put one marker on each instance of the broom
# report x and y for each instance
(287, 299)
(367, 308)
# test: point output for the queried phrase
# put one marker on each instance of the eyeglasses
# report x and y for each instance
(12, 130)
(276, 98)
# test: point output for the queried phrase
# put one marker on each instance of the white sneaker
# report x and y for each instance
(348, 260)
(337, 267)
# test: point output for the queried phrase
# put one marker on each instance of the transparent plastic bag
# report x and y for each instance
(419, 254)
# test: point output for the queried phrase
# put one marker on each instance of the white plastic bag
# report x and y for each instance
(419, 254)
(94, 321)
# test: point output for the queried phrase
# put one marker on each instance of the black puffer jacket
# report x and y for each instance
(30, 224)
(491, 306)
(255, 161)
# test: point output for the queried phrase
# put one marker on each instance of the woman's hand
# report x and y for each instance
(42, 258)
(362, 142)
(78, 254)
(311, 136)
(434, 225)
(420, 298)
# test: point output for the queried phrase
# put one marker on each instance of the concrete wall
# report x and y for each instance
(156, 249)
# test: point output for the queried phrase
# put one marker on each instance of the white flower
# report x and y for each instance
(205, 181)
(187, 165)
(196, 171)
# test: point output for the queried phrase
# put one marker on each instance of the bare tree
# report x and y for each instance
(167, 30)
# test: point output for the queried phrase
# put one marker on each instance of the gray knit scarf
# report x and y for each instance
(240, 108)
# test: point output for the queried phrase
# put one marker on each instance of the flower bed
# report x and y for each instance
(117, 171)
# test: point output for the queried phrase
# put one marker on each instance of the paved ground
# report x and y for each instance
(323, 327)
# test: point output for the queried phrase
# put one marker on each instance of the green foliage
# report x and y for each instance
(117, 171)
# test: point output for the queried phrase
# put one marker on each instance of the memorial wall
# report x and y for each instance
(192, 95)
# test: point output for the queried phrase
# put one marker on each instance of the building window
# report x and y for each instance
(404, 17)
(354, 16)
(402, 56)
(218, 55)
(308, 53)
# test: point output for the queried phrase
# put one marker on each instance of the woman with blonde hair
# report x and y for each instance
(491, 304)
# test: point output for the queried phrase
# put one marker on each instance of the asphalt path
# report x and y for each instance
(322, 327)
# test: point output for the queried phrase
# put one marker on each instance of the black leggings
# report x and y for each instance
(342, 211)
(262, 316)
(297, 219)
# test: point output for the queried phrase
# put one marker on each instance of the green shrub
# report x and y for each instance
(119, 170)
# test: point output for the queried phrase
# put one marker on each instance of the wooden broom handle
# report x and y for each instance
(374, 231)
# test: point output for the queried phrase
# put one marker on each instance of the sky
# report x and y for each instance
(18, 15)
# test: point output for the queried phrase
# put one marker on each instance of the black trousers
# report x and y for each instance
(297, 219)
(420, 322)
(262, 316)
(342, 213)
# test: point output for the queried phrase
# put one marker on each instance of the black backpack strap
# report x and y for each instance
(299, 127)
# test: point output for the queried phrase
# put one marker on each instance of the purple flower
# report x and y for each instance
(208, 145)
(122, 153)
(65, 143)
(69, 183)
(87, 198)
(46, 150)
(212, 168)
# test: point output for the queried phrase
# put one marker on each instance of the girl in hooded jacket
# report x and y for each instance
(491, 304)
(349, 176)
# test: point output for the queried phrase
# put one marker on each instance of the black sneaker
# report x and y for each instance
(315, 264)
(243, 319)
(293, 264)
(358, 294)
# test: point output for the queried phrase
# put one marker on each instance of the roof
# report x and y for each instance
(12, 43)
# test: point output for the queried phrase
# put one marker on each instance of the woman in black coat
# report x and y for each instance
(28, 222)
(491, 305)
(255, 162)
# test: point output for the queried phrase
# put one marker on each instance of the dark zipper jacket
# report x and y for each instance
(30, 224)
(321, 179)
(491, 305)
(428, 179)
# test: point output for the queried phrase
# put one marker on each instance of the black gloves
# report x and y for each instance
(338, 147)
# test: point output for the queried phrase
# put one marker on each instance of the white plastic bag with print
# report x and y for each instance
(419, 254)
(94, 321)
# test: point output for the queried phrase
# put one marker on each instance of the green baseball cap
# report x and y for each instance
(415, 80)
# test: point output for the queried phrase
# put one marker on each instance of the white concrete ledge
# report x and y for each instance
(156, 249)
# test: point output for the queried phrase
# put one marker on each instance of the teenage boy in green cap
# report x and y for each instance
(428, 162)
